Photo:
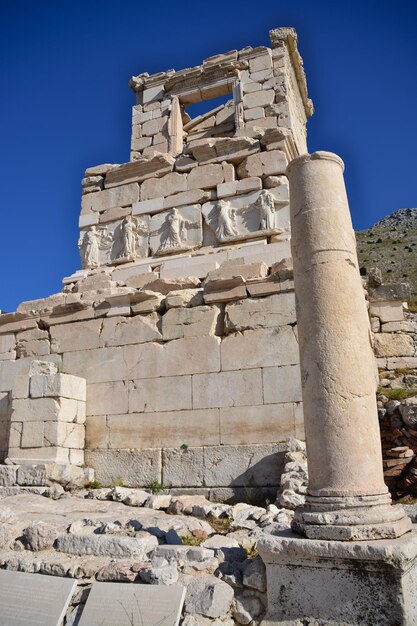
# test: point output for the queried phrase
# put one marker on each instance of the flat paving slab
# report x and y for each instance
(33, 599)
(125, 604)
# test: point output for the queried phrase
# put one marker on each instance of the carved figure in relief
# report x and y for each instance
(130, 228)
(91, 243)
(226, 226)
(266, 207)
(176, 231)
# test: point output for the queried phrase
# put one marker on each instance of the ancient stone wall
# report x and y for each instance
(182, 318)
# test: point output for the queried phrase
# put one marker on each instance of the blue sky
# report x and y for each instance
(65, 104)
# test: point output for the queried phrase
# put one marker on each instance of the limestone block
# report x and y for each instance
(88, 220)
(152, 127)
(390, 292)
(77, 336)
(407, 326)
(139, 281)
(31, 410)
(257, 424)
(176, 230)
(191, 322)
(100, 170)
(96, 366)
(194, 196)
(387, 311)
(393, 345)
(58, 385)
(205, 176)
(32, 347)
(96, 432)
(184, 298)
(109, 465)
(263, 164)
(147, 302)
(254, 114)
(32, 435)
(15, 434)
(64, 435)
(260, 348)
(112, 215)
(228, 171)
(165, 186)
(121, 196)
(281, 384)
(227, 189)
(269, 312)
(215, 149)
(106, 398)
(232, 269)
(183, 467)
(171, 393)
(148, 206)
(167, 285)
(7, 346)
(164, 429)
(191, 355)
(51, 454)
(145, 167)
(8, 476)
(395, 363)
(258, 98)
(199, 266)
(238, 388)
(225, 294)
(120, 331)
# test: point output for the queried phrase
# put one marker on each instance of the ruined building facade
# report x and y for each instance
(171, 357)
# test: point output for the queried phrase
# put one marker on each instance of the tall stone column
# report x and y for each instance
(347, 498)
(355, 562)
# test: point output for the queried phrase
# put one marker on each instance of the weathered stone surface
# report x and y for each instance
(387, 311)
(137, 469)
(107, 545)
(165, 286)
(231, 270)
(208, 596)
(257, 424)
(8, 475)
(233, 388)
(120, 331)
(147, 302)
(165, 186)
(118, 197)
(58, 385)
(41, 535)
(171, 393)
(108, 397)
(390, 292)
(139, 170)
(164, 429)
(117, 571)
(408, 410)
(77, 336)
(250, 314)
(248, 607)
(254, 575)
(205, 177)
(191, 355)
(193, 322)
(184, 298)
(260, 348)
(263, 164)
(393, 345)
(165, 575)
(282, 384)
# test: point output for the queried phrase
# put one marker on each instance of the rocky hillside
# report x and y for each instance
(391, 245)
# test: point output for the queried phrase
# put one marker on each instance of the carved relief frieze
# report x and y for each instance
(117, 242)
(176, 230)
(245, 217)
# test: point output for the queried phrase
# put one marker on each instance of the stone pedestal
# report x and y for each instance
(366, 583)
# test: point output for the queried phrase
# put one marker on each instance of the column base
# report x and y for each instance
(371, 583)
(355, 518)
